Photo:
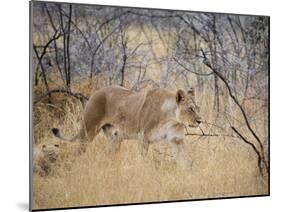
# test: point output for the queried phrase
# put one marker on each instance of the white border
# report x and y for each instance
(14, 82)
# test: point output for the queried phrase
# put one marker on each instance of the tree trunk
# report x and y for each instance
(68, 80)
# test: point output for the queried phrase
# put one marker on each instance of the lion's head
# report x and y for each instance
(188, 109)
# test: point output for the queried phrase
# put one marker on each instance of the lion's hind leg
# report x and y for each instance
(144, 146)
(114, 138)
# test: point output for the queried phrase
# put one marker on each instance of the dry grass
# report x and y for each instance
(216, 166)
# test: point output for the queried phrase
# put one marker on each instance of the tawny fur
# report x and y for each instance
(150, 116)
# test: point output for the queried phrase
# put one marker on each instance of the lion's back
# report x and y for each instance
(129, 110)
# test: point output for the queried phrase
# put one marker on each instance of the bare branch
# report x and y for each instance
(210, 135)
(208, 64)
(79, 96)
(187, 69)
(260, 157)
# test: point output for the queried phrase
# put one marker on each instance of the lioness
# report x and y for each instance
(150, 116)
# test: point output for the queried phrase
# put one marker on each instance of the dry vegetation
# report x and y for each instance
(216, 166)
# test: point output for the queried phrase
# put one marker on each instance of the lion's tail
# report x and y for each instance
(57, 133)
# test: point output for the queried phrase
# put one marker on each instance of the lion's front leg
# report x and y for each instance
(176, 135)
(175, 132)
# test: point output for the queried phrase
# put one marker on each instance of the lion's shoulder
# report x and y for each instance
(161, 100)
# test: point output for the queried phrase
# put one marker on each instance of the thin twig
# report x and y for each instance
(187, 69)
(207, 135)
(79, 96)
(260, 157)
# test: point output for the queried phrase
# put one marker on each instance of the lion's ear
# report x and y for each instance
(180, 96)
(191, 92)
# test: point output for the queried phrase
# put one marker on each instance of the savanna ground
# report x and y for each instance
(217, 166)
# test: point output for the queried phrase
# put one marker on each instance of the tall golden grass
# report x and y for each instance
(216, 166)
